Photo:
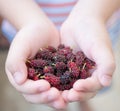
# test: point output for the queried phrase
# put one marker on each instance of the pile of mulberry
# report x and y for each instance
(59, 66)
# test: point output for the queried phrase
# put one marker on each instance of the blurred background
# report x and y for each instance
(11, 100)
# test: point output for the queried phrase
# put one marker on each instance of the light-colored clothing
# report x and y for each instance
(58, 11)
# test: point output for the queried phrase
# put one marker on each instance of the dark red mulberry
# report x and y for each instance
(48, 69)
(38, 55)
(31, 73)
(70, 57)
(65, 79)
(52, 79)
(65, 51)
(75, 72)
(89, 63)
(35, 78)
(80, 56)
(51, 49)
(64, 87)
(46, 54)
(71, 64)
(38, 63)
(61, 46)
(84, 74)
(59, 66)
(59, 58)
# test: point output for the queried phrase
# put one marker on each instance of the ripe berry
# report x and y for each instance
(35, 78)
(61, 46)
(84, 74)
(31, 73)
(51, 49)
(48, 69)
(46, 54)
(58, 58)
(38, 63)
(71, 64)
(52, 79)
(89, 64)
(38, 55)
(65, 51)
(80, 58)
(75, 72)
(59, 66)
(70, 57)
(65, 79)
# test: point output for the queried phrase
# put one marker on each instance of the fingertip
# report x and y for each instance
(54, 94)
(19, 78)
(106, 80)
(73, 95)
(59, 104)
(78, 85)
(43, 85)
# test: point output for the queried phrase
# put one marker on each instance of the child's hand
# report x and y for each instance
(90, 36)
(25, 45)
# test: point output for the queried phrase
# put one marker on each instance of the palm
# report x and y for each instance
(25, 45)
(92, 38)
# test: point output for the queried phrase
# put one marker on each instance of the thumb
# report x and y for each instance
(105, 61)
(16, 62)
(15, 67)
(19, 75)
(102, 75)
(20, 50)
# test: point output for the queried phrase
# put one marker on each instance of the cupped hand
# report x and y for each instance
(25, 45)
(89, 35)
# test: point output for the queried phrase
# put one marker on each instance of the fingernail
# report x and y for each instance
(18, 77)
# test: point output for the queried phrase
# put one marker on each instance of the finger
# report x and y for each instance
(17, 69)
(102, 76)
(105, 61)
(21, 48)
(64, 95)
(88, 85)
(58, 104)
(44, 97)
(97, 46)
(74, 95)
(30, 86)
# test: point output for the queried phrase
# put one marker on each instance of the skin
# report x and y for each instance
(35, 30)
(83, 30)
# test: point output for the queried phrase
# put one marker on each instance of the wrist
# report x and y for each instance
(99, 9)
(81, 18)
(86, 15)
(36, 20)
(42, 24)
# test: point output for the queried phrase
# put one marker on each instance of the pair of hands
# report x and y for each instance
(89, 35)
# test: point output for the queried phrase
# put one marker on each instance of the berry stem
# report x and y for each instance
(42, 77)
(84, 66)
